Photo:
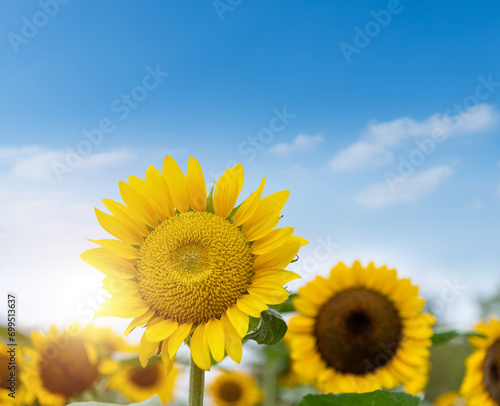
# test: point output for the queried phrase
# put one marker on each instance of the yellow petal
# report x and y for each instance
(108, 263)
(139, 321)
(215, 336)
(279, 258)
(176, 183)
(38, 340)
(278, 276)
(196, 187)
(266, 217)
(168, 359)
(238, 319)
(249, 206)
(272, 240)
(177, 337)
(123, 307)
(232, 340)
(159, 329)
(251, 305)
(268, 295)
(127, 216)
(301, 324)
(146, 349)
(117, 229)
(118, 248)
(138, 204)
(227, 190)
(153, 198)
(158, 187)
(199, 348)
(305, 307)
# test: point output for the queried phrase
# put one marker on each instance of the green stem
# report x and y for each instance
(269, 376)
(196, 385)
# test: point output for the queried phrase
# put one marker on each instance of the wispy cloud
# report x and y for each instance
(379, 139)
(300, 143)
(36, 163)
(379, 195)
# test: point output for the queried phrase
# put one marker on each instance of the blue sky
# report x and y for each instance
(390, 150)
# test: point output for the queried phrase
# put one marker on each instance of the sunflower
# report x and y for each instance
(62, 365)
(106, 341)
(481, 384)
(188, 266)
(235, 389)
(450, 399)
(138, 384)
(359, 330)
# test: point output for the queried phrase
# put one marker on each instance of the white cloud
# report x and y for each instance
(377, 140)
(36, 163)
(300, 143)
(358, 155)
(411, 189)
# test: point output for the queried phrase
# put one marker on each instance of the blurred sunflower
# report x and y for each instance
(22, 394)
(289, 379)
(481, 384)
(359, 330)
(138, 384)
(62, 365)
(450, 399)
(106, 341)
(235, 389)
(186, 265)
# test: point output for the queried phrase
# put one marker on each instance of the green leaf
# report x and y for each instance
(231, 215)
(271, 329)
(446, 336)
(210, 201)
(286, 306)
(154, 401)
(377, 398)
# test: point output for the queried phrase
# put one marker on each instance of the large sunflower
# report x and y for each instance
(235, 389)
(62, 365)
(138, 384)
(186, 265)
(359, 330)
(481, 384)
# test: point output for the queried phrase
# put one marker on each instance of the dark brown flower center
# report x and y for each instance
(358, 331)
(491, 367)
(145, 376)
(230, 392)
(66, 368)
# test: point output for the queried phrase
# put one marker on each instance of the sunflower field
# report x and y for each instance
(202, 275)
